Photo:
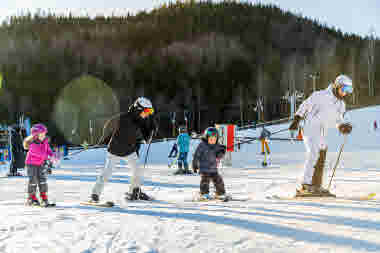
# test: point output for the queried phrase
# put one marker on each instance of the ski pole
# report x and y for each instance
(279, 131)
(148, 148)
(337, 161)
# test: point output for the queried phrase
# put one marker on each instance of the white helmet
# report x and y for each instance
(142, 103)
(343, 80)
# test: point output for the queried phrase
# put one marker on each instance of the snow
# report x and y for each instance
(173, 224)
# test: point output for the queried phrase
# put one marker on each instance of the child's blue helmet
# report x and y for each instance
(211, 131)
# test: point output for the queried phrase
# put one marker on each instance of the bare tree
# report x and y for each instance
(371, 62)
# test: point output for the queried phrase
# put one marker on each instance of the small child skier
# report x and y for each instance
(39, 154)
(205, 160)
(183, 142)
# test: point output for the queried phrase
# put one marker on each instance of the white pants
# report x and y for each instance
(314, 142)
(111, 162)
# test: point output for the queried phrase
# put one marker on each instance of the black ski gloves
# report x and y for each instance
(221, 152)
(296, 121)
(345, 128)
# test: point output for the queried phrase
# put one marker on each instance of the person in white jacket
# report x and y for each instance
(324, 109)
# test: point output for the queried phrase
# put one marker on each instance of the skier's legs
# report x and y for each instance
(205, 183)
(185, 163)
(312, 146)
(42, 180)
(33, 179)
(218, 183)
(105, 173)
(138, 171)
(182, 160)
(319, 168)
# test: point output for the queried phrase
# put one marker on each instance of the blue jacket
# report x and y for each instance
(205, 157)
(183, 142)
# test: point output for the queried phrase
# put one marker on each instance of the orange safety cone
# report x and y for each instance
(299, 136)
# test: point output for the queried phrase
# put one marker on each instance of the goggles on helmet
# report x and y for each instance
(347, 89)
(149, 111)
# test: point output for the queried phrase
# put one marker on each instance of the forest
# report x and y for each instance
(212, 61)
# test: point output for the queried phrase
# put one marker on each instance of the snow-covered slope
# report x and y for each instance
(172, 224)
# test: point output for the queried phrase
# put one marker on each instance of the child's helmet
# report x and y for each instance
(182, 129)
(38, 128)
(211, 131)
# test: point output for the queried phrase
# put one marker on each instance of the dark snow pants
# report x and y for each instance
(216, 179)
(37, 177)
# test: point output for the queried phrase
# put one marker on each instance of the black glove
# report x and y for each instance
(195, 169)
(48, 165)
(345, 128)
(296, 121)
(221, 152)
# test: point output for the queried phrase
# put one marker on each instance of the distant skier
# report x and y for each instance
(37, 159)
(183, 142)
(127, 131)
(18, 153)
(264, 136)
(322, 110)
(205, 160)
(174, 151)
(375, 125)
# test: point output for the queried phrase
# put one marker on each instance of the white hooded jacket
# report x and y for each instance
(322, 110)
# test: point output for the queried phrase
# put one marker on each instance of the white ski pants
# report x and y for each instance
(313, 144)
(111, 162)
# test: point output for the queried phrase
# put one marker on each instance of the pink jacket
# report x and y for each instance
(38, 152)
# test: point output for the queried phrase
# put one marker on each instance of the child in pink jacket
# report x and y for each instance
(39, 152)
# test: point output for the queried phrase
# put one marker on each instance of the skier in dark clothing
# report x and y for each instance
(18, 153)
(205, 160)
(128, 130)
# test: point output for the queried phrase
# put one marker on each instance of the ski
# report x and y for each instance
(99, 204)
(43, 206)
(213, 199)
(367, 197)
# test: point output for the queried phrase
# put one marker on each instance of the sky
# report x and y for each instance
(350, 16)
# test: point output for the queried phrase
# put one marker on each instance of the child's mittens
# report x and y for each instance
(54, 159)
(220, 152)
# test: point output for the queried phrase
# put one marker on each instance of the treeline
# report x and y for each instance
(216, 58)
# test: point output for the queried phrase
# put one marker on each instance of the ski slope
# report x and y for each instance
(171, 224)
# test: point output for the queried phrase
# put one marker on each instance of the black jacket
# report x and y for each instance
(205, 156)
(127, 130)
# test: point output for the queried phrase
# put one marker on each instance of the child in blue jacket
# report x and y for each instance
(183, 144)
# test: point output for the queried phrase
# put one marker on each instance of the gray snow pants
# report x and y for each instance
(37, 177)
(111, 162)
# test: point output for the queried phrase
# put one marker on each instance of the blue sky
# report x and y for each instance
(352, 16)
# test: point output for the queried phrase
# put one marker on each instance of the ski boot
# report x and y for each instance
(32, 200)
(325, 192)
(137, 194)
(223, 197)
(44, 200)
(187, 171)
(307, 190)
(204, 197)
(94, 198)
(179, 172)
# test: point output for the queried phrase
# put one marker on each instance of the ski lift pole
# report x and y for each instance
(337, 161)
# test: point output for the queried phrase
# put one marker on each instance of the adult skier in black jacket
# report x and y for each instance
(18, 153)
(127, 131)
